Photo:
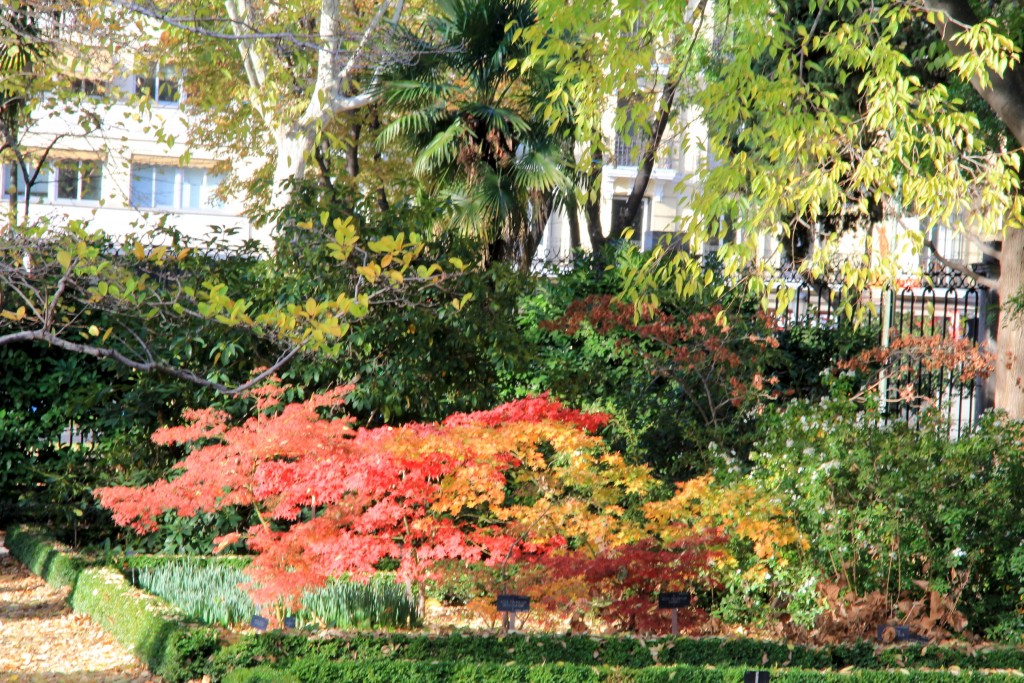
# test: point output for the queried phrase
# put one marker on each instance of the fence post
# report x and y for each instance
(984, 388)
(883, 379)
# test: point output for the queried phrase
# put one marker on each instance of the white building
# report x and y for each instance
(117, 156)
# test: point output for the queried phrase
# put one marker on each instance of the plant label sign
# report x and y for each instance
(756, 677)
(259, 623)
(898, 634)
(289, 622)
(673, 600)
(513, 603)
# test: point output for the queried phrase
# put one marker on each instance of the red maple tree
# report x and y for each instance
(525, 481)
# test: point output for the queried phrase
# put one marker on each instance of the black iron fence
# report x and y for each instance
(933, 327)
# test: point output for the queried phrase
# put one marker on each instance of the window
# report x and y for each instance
(161, 82)
(632, 141)
(15, 183)
(60, 181)
(169, 187)
(78, 181)
(90, 87)
(639, 223)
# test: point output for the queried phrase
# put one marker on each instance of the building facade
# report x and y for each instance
(115, 154)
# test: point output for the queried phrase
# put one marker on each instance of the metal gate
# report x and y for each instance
(945, 306)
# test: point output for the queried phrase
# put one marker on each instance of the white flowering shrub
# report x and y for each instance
(889, 508)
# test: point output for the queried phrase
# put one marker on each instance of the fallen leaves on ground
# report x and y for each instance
(43, 641)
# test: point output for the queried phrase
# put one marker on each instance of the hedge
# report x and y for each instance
(322, 670)
(145, 625)
(153, 630)
(615, 651)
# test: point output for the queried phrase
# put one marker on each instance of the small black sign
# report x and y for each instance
(289, 622)
(900, 634)
(756, 677)
(513, 603)
(259, 623)
(673, 600)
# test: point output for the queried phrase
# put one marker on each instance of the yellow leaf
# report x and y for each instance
(94, 331)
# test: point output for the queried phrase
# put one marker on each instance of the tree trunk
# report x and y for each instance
(592, 205)
(352, 152)
(643, 175)
(572, 213)
(289, 166)
(1009, 383)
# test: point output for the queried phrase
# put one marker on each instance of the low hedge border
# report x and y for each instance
(137, 562)
(153, 630)
(145, 625)
(323, 670)
(282, 647)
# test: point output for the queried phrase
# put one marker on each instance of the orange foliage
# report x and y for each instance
(516, 482)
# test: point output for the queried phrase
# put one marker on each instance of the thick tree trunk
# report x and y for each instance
(1009, 383)
(293, 147)
(1005, 96)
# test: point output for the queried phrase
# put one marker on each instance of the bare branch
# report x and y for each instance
(962, 269)
(42, 335)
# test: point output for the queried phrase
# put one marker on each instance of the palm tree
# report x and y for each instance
(467, 116)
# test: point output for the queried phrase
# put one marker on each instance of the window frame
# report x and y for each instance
(47, 187)
(154, 79)
(179, 190)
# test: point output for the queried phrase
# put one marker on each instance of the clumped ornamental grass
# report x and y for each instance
(209, 593)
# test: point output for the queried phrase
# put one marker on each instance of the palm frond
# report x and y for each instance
(442, 150)
(541, 169)
(414, 124)
(501, 119)
(499, 198)
(410, 94)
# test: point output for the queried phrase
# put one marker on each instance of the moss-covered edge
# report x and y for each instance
(147, 626)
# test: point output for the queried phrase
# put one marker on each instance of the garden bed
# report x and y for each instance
(181, 652)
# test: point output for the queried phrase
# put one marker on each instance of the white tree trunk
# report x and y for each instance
(293, 147)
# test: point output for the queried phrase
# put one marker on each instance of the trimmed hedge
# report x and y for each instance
(43, 557)
(154, 632)
(145, 625)
(323, 670)
(281, 648)
(137, 562)
(260, 674)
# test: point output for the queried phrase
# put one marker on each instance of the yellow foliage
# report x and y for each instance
(740, 509)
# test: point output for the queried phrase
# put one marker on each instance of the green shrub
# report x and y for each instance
(272, 648)
(260, 674)
(883, 505)
(188, 654)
